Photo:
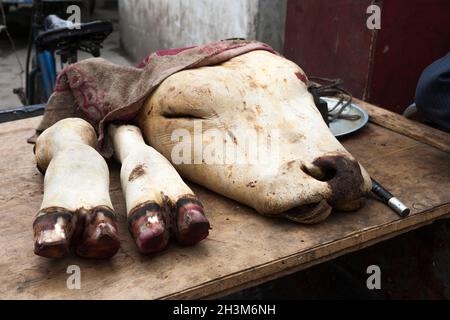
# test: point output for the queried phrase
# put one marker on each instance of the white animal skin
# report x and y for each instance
(76, 210)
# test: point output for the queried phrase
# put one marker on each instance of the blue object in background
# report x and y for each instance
(47, 71)
(18, 1)
(433, 93)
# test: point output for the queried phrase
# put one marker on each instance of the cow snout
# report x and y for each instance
(344, 177)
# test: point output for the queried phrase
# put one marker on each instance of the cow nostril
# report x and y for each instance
(347, 184)
(322, 173)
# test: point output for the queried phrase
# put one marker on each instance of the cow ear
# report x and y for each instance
(321, 105)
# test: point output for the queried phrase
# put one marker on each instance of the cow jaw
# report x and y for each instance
(257, 97)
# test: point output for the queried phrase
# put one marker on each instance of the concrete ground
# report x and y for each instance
(11, 75)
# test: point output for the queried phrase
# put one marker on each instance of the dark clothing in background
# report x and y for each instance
(433, 93)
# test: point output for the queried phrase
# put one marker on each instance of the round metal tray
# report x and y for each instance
(342, 127)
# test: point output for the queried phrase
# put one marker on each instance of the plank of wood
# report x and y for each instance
(314, 256)
(243, 248)
(407, 127)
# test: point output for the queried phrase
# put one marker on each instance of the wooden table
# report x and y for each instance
(244, 248)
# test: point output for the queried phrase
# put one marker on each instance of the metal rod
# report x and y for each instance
(21, 112)
(399, 207)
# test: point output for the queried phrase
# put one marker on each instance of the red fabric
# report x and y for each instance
(160, 53)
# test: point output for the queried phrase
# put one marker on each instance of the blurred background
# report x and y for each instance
(18, 18)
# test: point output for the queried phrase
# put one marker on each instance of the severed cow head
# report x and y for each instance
(248, 129)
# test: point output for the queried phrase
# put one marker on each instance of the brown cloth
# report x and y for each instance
(100, 91)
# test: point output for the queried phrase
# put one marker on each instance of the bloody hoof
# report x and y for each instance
(190, 225)
(100, 238)
(148, 227)
(52, 232)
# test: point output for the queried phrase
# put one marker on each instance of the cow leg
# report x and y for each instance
(158, 201)
(76, 211)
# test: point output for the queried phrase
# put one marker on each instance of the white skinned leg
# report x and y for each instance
(76, 210)
(157, 199)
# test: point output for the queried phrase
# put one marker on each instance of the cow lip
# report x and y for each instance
(309, 213)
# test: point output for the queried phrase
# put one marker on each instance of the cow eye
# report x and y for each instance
(181, 115)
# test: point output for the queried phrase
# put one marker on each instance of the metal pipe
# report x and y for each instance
(399, 207)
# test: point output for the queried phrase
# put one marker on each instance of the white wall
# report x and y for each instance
(149, 25)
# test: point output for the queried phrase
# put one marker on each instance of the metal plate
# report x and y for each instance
(342, 127)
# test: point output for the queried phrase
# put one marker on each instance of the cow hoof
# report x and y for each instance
(52, 233)
(191, 225)
(148, 228)
(100, 238)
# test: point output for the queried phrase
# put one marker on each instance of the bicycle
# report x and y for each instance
(51, 35)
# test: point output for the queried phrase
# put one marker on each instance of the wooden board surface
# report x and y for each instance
(243, 248)
(407, 127)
